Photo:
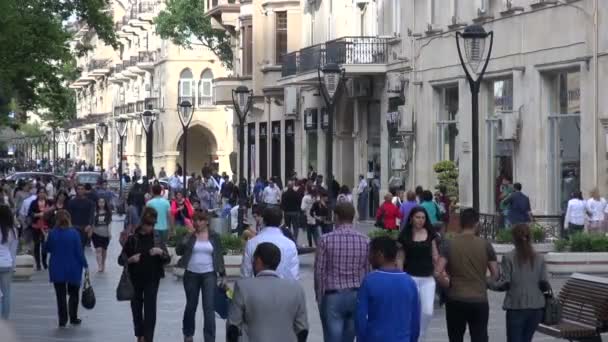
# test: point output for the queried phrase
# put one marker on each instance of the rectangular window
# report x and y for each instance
(448, 125)
(396, 17)
(185, 89)
(280, 36)
(247, 50)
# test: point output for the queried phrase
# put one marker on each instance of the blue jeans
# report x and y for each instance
(204, 283)
(6, 276)
(521, 324)
(337, 312)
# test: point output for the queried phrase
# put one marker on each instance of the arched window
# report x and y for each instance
(186, 85)
(205, 89)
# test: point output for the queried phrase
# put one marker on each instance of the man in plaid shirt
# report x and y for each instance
(341, 263)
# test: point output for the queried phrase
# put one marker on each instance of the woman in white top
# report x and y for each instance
(8, 253)
(576, 214)
(312, 230)
(203, 261)
(596, 207)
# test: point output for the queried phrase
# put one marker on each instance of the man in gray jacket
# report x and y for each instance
(268, 307)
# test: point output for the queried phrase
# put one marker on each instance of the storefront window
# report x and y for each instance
(499, 153)
(565, 139)
(397, 148)
(447, 123)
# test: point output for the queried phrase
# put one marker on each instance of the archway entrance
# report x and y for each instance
(202, 149)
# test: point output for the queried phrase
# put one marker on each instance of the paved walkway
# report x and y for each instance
(34, 309)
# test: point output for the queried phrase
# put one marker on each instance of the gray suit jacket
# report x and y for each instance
(269, 308)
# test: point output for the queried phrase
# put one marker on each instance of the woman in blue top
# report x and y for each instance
(65, 267)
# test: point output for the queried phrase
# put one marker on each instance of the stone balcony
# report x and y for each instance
(223, 86)
(225, 13)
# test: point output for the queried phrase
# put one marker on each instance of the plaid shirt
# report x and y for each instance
(341, 261)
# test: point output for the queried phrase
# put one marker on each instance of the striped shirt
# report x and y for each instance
(341, 261)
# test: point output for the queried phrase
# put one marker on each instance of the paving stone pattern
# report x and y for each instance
(35, 319)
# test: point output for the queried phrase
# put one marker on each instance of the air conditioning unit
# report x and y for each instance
(359, 87)
(291, 101)
(407, 119)
(509, 126)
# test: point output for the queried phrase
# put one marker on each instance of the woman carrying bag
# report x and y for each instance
(145, 259)
(66, 264)
(203, 261)
(524, 278)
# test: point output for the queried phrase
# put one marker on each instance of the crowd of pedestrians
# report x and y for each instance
(383, 289)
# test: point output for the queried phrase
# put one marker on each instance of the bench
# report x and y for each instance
(584, 301)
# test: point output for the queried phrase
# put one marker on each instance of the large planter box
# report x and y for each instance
(582, 262)
(504, 248)
(24, 267)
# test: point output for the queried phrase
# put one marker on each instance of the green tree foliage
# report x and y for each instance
(36, 62)
(183, 21)
(447, 174)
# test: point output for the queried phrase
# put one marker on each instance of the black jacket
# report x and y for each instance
(184, 249)
(149, 268)
(291, 201)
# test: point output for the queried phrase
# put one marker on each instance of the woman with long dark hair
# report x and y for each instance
(145, 258)
(524, 277)
(8, 252)
(419, 242)
(101, 233)
(39, 213)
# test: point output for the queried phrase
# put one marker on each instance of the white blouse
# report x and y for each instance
(596, 209)
(576, 212)
(201, 260)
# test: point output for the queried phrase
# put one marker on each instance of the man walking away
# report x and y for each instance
(462, 269)
(388, 305)
(341, 263)
(271, 308)
(289, 267)
(519, 206)
(82, 211)
(290, 203)
(164, 222)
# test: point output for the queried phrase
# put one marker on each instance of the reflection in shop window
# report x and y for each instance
(499, 153)
(565, 138)
(447, 124)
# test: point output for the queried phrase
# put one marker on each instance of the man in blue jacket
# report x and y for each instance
(388, 306)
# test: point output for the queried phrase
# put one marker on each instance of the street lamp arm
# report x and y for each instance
(485, 65)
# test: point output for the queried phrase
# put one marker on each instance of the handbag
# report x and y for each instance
(221, 301)
(553, 309)
(125, 290)
(380, 220)
(88, 295)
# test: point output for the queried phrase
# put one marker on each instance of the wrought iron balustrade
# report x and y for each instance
(147, 57)
(491, 224)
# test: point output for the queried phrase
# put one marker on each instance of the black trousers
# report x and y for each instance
(39, 248)
(143, 307)
(460, 314)
(62, 290)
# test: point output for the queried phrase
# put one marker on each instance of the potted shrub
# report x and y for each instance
(447, 175)
(504, 240)
(234, 246)
(582, 252)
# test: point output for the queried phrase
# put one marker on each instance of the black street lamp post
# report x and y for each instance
(474, 37)
(185, 116)
(102, 132)
(242, 99)
(121, 130)
(330, 78)
(147, 120)
(65, 137)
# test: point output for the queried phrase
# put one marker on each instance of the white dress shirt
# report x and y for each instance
(362, 186)
(596, 209)
(576, 212)
(271, 195)
(289, 267)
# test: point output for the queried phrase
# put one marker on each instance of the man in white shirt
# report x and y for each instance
(362, 196)
(50, 190)
(271, 194)
(289, 267)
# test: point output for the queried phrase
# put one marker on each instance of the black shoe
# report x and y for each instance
(62, 325)
(76, 321)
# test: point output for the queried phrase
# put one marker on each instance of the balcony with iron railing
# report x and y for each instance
(343, 51)
(225, 12)
(120, 110)
(147, 59)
